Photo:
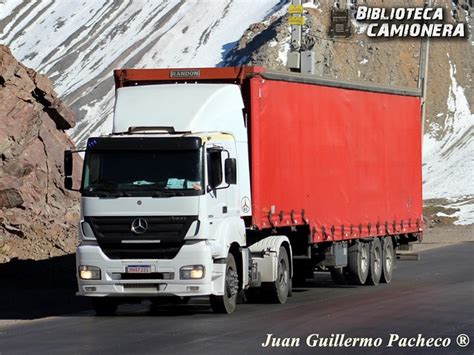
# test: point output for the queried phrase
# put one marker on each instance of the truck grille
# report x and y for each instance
(163, 238)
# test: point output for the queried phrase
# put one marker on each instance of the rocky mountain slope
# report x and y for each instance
(448, 145)
(78, 46)
(37, 216)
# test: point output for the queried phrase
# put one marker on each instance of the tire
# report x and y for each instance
(104, 306)
(241, 298)
(388, 260)
(277, 291)
(375, 269)
(358, 262)
(338, 276)
(226, 303)
(290, 288)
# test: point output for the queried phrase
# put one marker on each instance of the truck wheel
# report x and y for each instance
(358, 263)
(388, 259)
(226, 303)
(375, 270)
(277, 291)
(104, 306)
(338, 276)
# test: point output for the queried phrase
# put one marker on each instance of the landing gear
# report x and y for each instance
(227, 302)
(358, 262)
(388, 259)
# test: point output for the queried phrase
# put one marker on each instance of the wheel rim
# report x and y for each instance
(232, 282)
(388, 259)
(377, 261)
(282, 275)
(364, 260)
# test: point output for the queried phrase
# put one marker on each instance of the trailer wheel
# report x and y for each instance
(388, 259)
(227, 302)
(358, 263)
(338, 276)
(104, 306)
(277, 291)
(375, 270)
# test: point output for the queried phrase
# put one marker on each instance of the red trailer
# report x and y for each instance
(350, 159)
(332, 163)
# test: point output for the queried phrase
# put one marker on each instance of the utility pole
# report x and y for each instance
(298, 60)
(423, 74)
(296, 21)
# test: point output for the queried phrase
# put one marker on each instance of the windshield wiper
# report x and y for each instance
(167, 193)
(107, 189)
(104, 193)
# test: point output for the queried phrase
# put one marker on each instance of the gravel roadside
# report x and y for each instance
(435, 237)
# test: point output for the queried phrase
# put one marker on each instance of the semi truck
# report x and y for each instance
(236, 182)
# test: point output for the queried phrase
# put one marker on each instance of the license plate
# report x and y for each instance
(138, 269)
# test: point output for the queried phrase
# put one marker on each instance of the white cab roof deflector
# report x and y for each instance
(188, 107)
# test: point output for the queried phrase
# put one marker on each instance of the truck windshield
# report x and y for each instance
(143, 173)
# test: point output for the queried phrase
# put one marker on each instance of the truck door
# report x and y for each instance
(222, 198)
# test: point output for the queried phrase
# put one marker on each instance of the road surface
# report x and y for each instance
(433, 297)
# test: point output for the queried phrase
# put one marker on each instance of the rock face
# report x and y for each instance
(37, 216)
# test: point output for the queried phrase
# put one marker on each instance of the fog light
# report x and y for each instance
(191, 272)
(89, 272)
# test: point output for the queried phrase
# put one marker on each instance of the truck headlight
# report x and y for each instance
(191, 272)
(87, 272)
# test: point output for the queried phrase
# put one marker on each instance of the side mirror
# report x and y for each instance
(68, 167)
(67, 163)
(230, 168)
(68, 183)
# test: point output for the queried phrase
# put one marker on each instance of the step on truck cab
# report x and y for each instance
(222, 181)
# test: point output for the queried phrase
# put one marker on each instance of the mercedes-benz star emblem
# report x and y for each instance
(139, 226)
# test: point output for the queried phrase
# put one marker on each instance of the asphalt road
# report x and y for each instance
(433, 297)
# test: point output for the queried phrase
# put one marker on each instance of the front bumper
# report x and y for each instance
(112, 284)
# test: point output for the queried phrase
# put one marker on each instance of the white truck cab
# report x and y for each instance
(164, 198)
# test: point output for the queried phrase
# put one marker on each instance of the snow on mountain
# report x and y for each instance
(77, 43)
(448, 169)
